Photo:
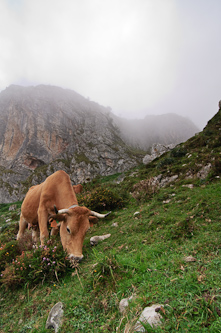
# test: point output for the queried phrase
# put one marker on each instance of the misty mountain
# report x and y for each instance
(165, 129)
(47, 128)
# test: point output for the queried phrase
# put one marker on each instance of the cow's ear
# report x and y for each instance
(61, 217)
(78, 188)
(57, 217)
(92, 220)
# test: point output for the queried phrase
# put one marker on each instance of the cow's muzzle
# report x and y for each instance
(76, 258)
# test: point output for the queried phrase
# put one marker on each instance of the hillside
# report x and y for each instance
(47, 128)
(164, 249)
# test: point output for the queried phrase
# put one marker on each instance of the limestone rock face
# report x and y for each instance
(55, 128)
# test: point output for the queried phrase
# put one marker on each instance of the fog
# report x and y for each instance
(139, 57)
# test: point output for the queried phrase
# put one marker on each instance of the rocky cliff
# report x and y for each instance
(46, 128)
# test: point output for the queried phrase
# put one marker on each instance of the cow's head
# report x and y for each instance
(74, 223)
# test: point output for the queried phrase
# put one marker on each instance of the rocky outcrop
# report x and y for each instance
(43, 123)
(157, 150)
(44, 129)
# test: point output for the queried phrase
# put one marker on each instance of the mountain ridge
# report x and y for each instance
(46, 128)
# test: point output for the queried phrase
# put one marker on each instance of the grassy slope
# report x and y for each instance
(144, 255)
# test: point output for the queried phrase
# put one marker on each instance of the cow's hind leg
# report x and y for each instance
(22, 226)
(35, 234)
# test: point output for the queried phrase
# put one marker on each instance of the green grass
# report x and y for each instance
(144, 256)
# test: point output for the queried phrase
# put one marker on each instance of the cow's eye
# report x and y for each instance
(68, 230)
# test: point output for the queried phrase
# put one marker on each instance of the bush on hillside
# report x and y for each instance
(8, 251)
(42, 263)
(178, 152)
(145, 189)
(101, 199)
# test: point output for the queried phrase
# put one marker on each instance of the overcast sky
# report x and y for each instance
(138, 57)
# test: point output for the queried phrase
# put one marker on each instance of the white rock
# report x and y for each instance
(188, 185)
(189, 259)
(55, 317)
(166, 201)
(95, 239)
(124, 303)
(150, 316)
(136, 213)
(203, 173)
(147, 159)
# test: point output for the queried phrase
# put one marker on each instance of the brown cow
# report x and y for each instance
(56, 197)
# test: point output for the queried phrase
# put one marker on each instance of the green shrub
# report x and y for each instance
(42, 263)
(178, 152)
(144, 190)
(164, 162)
(183, 229)
(8, 251)
(101, 199)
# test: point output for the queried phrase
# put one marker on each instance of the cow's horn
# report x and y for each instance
(101, 216)
(55, 209)
(63, 211)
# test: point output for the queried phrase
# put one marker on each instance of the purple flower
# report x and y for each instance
(49, 263)
(44, 259)
(53, 262)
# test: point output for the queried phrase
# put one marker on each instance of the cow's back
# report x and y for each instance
(57, 190)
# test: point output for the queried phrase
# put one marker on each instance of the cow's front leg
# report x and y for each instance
(42, 221)
(22, 227)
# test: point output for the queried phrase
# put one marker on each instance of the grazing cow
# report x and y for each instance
(56, 198)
